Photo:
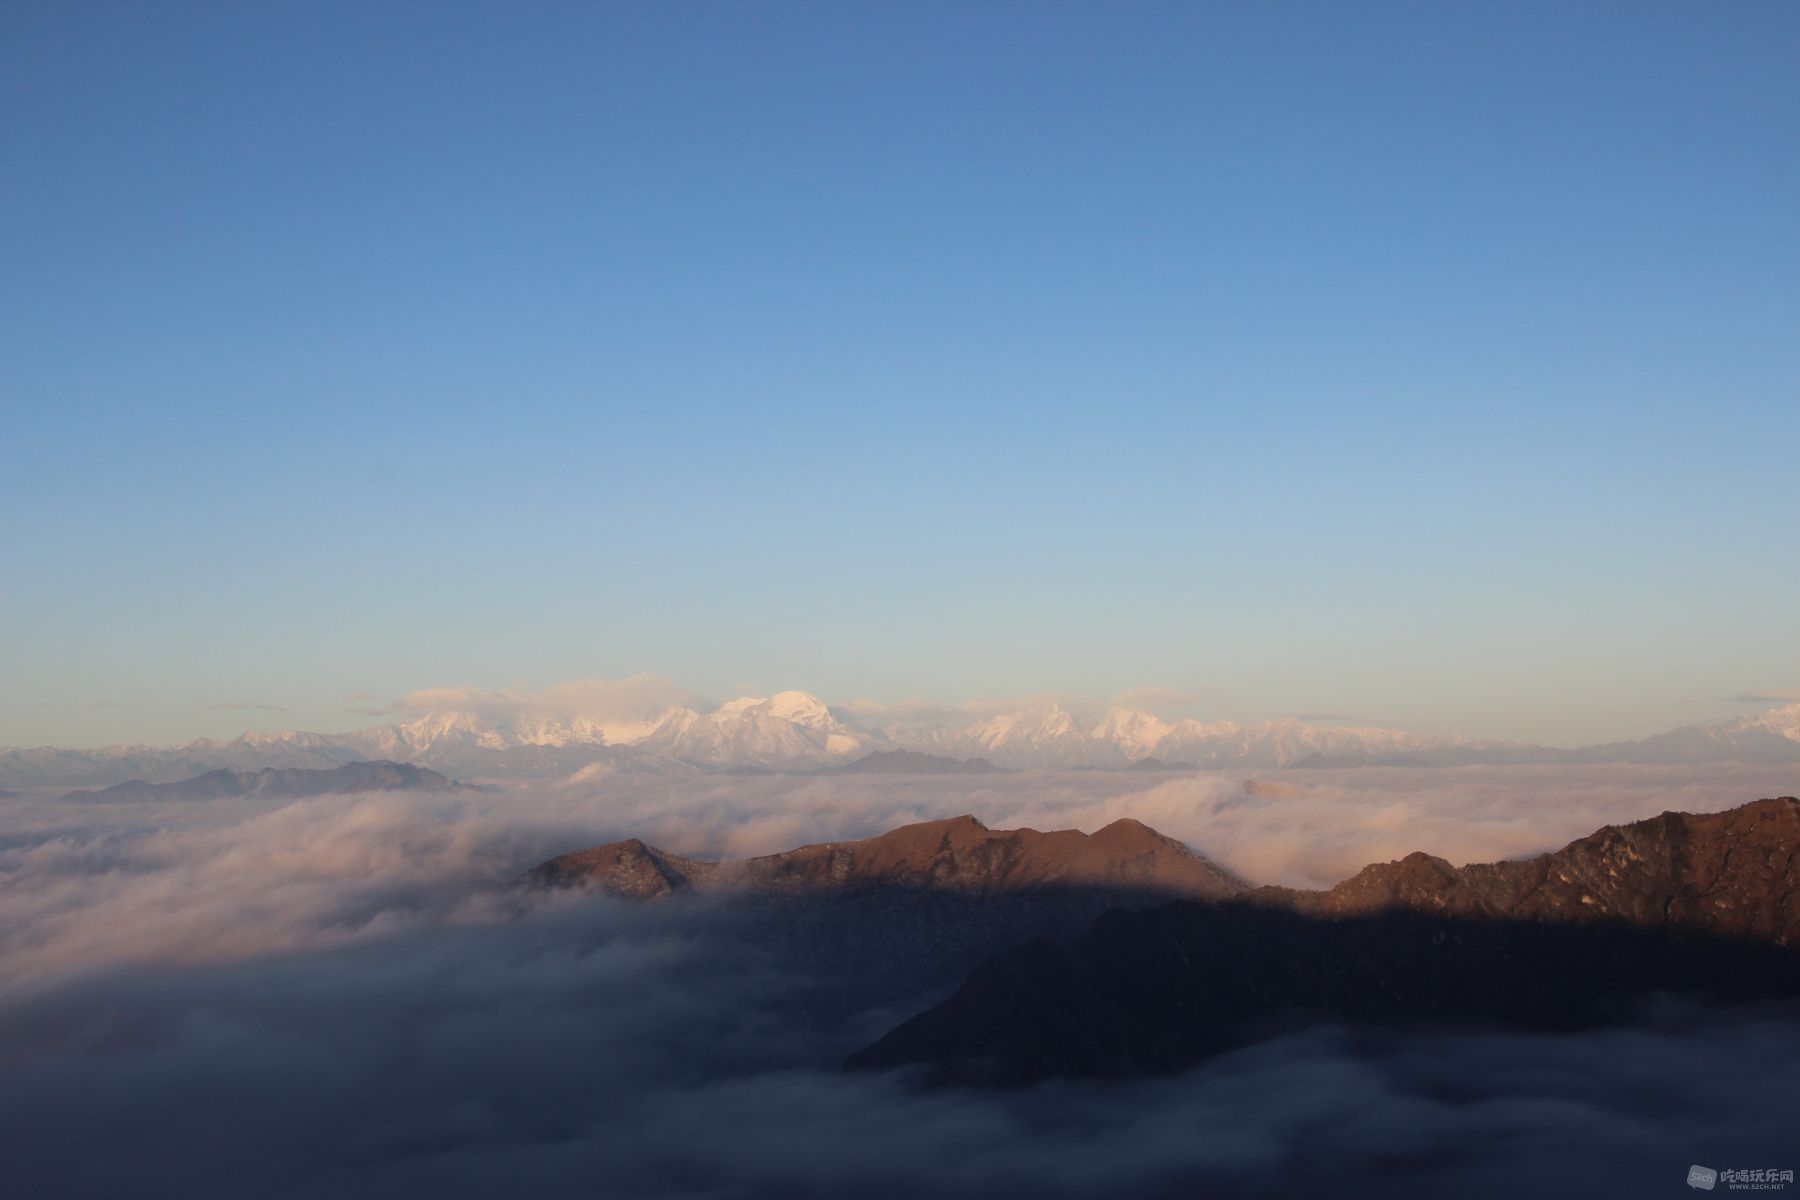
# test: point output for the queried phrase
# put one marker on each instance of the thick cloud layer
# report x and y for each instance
(341, 997)
(88, 885)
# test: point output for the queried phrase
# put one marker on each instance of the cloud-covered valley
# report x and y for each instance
(345, 996)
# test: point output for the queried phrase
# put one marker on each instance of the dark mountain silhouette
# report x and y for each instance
(1157, 764)
(1321, 762)
(959, 854)
(1702, 905)
(911, 762)
(281, 784)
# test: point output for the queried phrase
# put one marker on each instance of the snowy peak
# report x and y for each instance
(1772, 735)
(1783, 722)
(788, 729)
(1043, 735)
(630, 733)
(437, 730)
(1045, 724)
(738, 707)
(803, 709)
(449, 728)
(1132, 730)
(797, 708)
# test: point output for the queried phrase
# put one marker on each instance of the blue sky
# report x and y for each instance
(1430, 363)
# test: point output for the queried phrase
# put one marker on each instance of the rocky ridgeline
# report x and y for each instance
(1707, 906)
(1730, 873)
(959, 854)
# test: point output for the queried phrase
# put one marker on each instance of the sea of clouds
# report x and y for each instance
(347, 997)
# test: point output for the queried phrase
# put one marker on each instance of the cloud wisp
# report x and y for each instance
(878, 714)
(637, 698)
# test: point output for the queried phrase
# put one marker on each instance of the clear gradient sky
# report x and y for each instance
(1437, 364)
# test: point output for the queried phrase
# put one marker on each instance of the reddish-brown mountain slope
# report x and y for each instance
(1730, 873)
(959, 854)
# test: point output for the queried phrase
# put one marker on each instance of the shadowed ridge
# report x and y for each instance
(902, 917)
(1419, 880)
(1704, 905)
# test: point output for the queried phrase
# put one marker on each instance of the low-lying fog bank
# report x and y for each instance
(343, 997)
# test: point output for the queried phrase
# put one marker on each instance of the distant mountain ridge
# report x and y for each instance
(910, 762)
(276, 783)
(797, 732)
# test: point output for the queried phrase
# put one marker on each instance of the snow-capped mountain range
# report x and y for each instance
(795, 731)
